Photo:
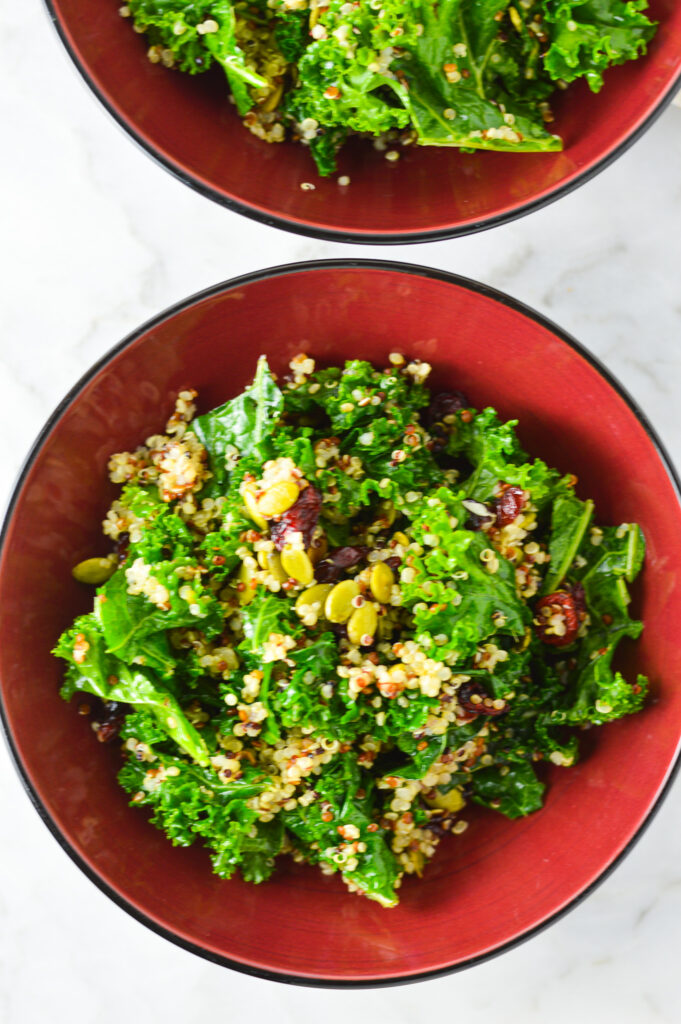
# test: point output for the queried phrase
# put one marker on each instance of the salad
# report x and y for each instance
(476, 74)
(339, 609)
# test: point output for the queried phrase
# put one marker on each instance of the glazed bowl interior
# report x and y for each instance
(189, 125)
(500, 880)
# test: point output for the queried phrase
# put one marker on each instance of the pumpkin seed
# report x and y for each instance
(278, 498)
(338, 606)
(248, 494)
(274, 566)
(381, 582)
(94, 570)
(246, 576)
(314, 595)
(272, 101)
(362, 625)
(452, 801)
(297, 564)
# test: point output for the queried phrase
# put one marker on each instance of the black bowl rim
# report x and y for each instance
(351, 236)
(179, 307)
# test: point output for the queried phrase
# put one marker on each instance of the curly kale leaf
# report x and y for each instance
(243, 426)
(92, 669)
(456, 602)
(451, 89)
(268, 613)
(131, 622)
(595, 692)
(513, 789)
(292, 33)
(347, 796)
(588, 36)
(190, 802)
(160, 533)
(493, 449)
(299, 701)
(570, 518)
(178, 26)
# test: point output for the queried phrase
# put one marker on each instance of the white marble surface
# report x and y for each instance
(95, 240)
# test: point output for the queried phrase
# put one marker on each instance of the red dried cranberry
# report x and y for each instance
(482, 707)
(509, 505)
(302, 518)
(565, 605)
(330, 569)
(110, 720)
(445, 404)
(394, 562)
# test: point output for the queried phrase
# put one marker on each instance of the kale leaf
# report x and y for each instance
(588, 36)
(243, 426)
(93, 670)
(179, 27)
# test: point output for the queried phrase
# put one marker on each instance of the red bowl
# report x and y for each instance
(189, 126)
(501, 880)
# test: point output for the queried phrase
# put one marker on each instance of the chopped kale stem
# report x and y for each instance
(342, 610)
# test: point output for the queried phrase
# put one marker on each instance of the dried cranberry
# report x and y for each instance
(394, 562)
(564, 604)
(484, 706)
(300, 518)
(509, 505)
(445, 404)
(348, 556)
(331, 568)
(110, 721)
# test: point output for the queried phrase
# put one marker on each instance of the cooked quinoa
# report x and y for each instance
(341, 609)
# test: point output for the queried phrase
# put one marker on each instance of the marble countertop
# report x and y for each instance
(90, 252)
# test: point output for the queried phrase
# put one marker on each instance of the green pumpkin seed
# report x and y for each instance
(248, 494)
(452, 801)
(338, 606)
(314, 595)
(278, 498)
(94, 570)
(362, 625)
(274, 566)
(247, 592)
(297, 564)
(381, 582)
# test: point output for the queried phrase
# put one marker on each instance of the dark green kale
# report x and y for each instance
(451, 88)
(185, 29)
(346, 799)
(92, 669)
(130, 621)
(241, 427)
(589, 36)
(189, 801)
(512, 789)
(292, 33)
